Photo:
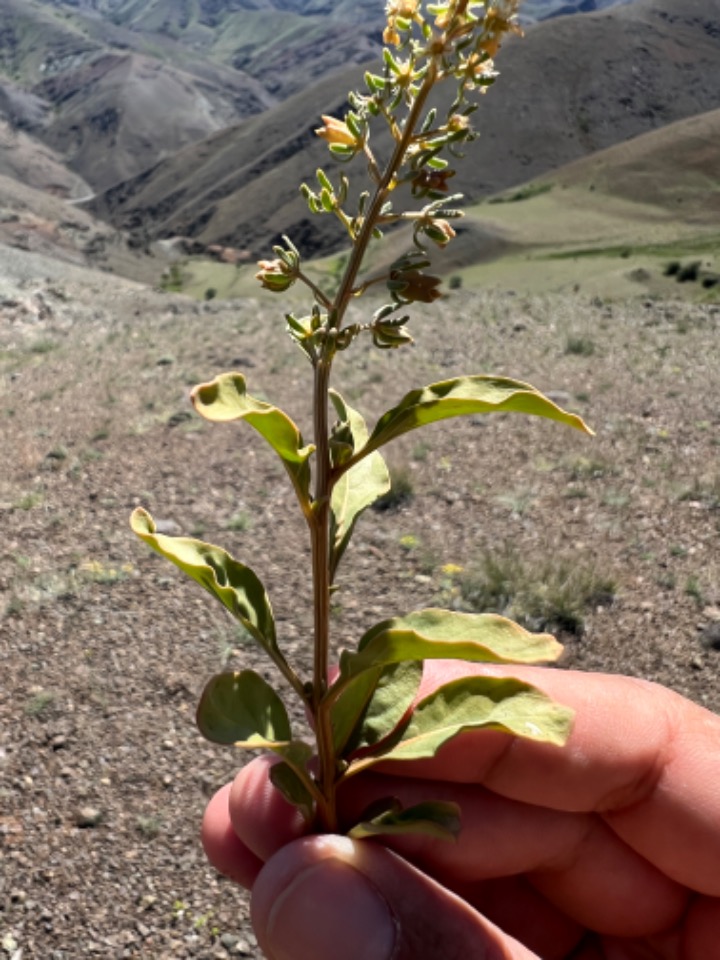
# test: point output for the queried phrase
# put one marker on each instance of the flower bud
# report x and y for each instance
(277, 275)
(338, 134)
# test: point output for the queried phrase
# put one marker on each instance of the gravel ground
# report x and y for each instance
(104, 648)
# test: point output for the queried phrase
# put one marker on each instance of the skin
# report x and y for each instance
(606, 849)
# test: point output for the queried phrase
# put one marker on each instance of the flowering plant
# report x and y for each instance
(369, 711)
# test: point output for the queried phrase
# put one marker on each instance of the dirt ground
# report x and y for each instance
(104, 647)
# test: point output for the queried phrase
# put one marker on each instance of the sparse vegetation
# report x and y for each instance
(401, 489)
(550, 593)
(579, 346)
(39, 703)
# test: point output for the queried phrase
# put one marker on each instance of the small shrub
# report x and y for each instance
(239, 522)
(672, 269)
(42, 346)
(39, 703)
(148, 827)
(455, 282)
(579, 346)
(689, 272)
(549, 594)
(401, 490)
(28, 500)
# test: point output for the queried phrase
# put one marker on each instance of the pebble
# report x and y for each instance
(711, 636)
(88, 817)
(169, 528)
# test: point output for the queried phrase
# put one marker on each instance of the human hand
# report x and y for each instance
(606, 849)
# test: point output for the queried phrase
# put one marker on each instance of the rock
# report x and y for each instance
(87, 817)
(168, 528)
(182, 416)
(710, 636)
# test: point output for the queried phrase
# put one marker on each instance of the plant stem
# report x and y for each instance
(320, 521)
(383, 188)
(320, 535)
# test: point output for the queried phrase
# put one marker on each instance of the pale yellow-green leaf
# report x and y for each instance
(445, 635)
(473, 703)
(462, 396)
(357, 488)
(236, 586)
(225, 399)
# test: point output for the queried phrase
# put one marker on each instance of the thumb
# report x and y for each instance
(322, 897)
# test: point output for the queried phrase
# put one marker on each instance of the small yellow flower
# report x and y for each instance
(499, 20)
(450, 569)
(399, 9)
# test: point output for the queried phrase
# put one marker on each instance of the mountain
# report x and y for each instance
(118, 85)
(573, 86)
(674, 168)
(546, 10)
(93, 93)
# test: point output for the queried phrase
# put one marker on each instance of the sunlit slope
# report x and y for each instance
(612, 217)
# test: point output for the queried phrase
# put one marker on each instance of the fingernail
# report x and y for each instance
(331, 910)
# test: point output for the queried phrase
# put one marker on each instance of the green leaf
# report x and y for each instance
(372, 705)
(434, 818)
(494, 703)
(446, 635)
(225, 399)
(236, 586)
(293, 788)
(357, 488)
(346, 712)
(242, 709)
(461, 396)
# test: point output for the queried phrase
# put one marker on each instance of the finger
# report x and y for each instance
(575, 860)
(321, 897)
(642, 756)
(262, 818)
(515, 906)
(700, 939)
(223, 848)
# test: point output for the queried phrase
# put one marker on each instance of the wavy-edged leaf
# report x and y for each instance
(357, 488)
(243, 709)
(373, 704)
(434, 818)
(447, 635)
(461, 396)
(225, 399)
(236, 586)
(494, 703)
